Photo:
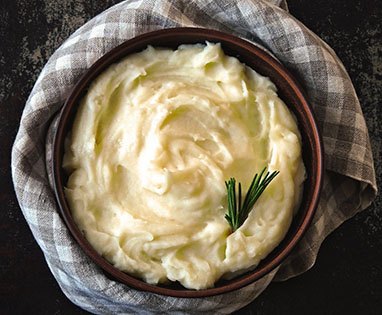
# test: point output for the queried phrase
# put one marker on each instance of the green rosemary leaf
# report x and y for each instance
(239, 210)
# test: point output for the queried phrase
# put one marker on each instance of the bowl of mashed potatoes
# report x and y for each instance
(146, 145)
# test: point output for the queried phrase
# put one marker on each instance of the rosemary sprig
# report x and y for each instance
(238, 211)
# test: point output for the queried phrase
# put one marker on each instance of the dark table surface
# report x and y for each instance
(347, 277)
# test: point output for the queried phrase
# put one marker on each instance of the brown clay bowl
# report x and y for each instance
(288, 89)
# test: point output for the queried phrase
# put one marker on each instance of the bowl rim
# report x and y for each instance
(59, 137)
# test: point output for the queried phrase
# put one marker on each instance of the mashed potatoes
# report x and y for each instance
(154, 140)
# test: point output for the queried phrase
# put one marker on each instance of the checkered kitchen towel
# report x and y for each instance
(349, 184)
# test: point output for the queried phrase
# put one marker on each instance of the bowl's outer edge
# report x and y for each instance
(185, 35)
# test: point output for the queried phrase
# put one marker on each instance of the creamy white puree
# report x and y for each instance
(154, 140)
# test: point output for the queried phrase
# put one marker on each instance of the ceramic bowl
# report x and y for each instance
(288, 90)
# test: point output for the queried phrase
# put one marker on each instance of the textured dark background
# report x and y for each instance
(347, 277)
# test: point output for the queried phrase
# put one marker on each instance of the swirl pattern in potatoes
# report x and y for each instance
(153, 142)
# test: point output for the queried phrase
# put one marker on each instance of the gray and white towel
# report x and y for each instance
(349, 184)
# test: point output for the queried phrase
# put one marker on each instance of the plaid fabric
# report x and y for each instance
(349, 184)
